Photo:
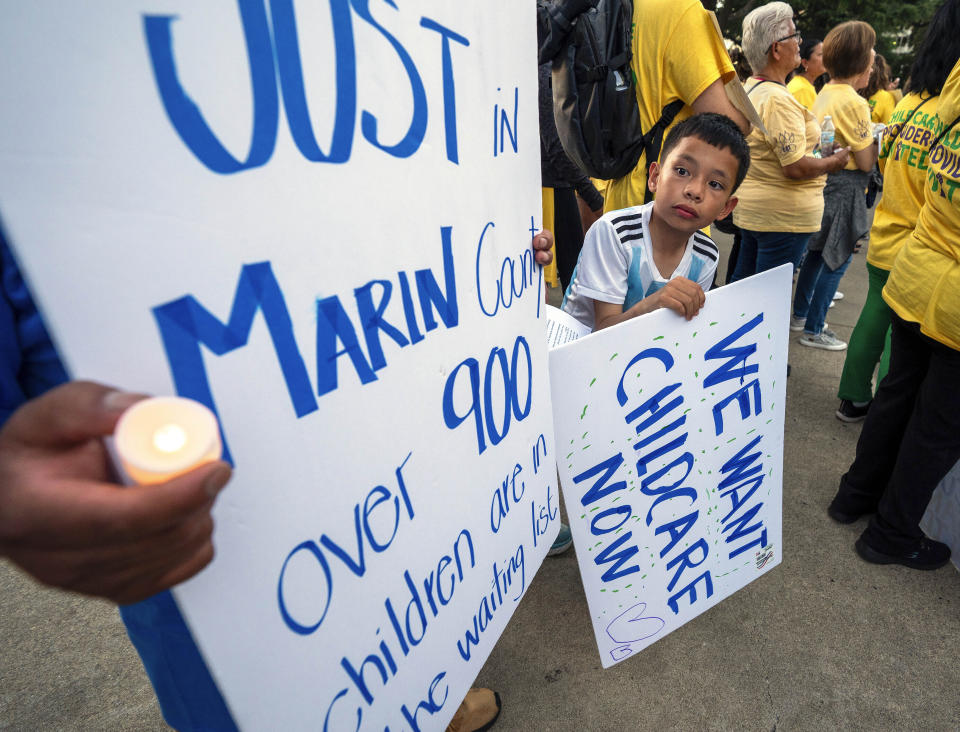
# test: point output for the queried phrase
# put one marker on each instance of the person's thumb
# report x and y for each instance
(69, 414)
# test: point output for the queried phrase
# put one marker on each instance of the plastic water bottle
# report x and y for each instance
(826, 137)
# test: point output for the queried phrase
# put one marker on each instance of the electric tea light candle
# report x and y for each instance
(162, 437)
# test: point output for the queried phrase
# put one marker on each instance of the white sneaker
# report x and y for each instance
(825, 340)
(838, 295)
(832, 303)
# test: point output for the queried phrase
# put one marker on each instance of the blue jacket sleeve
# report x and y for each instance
(29, 366)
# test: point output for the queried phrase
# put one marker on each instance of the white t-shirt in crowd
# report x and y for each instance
(616, 263)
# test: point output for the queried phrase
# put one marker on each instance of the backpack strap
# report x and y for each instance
(943, 132)
(909, 117)
(761, 81)
(653, 140)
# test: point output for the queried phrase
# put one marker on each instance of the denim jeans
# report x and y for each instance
(763, 250)
(816, 286)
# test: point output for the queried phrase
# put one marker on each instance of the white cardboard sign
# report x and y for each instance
(670, 451)
(315, 218)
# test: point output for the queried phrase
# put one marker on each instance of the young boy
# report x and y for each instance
(641, 258)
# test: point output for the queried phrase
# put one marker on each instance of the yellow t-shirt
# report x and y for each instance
(677, 54)
(881, 106)
(803, 90)
(924, 285)
(769, 201)
(851, 117)
(903, 161)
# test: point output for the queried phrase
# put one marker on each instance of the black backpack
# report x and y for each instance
(594, 95)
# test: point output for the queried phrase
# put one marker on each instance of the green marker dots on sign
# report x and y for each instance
(658, 338)
(582, 415)
(713, 323)
(593, 381)
(732, 439)
(569, 456)
(584, 435)
(614, 356)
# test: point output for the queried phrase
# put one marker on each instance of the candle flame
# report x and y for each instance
(170, 438)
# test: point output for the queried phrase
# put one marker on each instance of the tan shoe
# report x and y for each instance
(477, 712)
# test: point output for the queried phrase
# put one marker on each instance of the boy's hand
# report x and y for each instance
(682, 296)
(542, 244)
(64, 520)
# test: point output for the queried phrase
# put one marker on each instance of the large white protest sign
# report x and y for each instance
(670, 449)
(316, 219)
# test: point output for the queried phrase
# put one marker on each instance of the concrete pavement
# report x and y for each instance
(823, 642)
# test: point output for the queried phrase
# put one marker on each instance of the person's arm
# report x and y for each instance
(682, 296)
(715, 99)
(852, 120)
(66, 522)
(866, 158)
(810, 167)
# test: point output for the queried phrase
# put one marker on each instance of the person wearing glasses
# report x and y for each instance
(781, 200)
(848, 55)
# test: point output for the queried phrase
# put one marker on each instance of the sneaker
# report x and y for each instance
(825, 340)
(832, 303)
(850, 412)
(838, 295)
(563, 541)
(928, 554)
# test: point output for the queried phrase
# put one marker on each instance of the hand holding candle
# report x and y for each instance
(63, 519)
(160, 438)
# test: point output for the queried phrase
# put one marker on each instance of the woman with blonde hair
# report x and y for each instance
(848, 55)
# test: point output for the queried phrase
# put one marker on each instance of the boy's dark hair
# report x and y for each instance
(717, 130)
(937, 54)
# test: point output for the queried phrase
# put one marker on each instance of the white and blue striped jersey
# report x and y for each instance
(616, 263)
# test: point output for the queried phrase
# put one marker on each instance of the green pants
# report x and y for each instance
(869, 343)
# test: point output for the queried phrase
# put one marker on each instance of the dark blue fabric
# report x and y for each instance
(763, 250)
(29, 366)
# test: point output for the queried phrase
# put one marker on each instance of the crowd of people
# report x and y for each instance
(795, 196)
(835, 127)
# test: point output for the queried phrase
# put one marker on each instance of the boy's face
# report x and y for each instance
(694, 185)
